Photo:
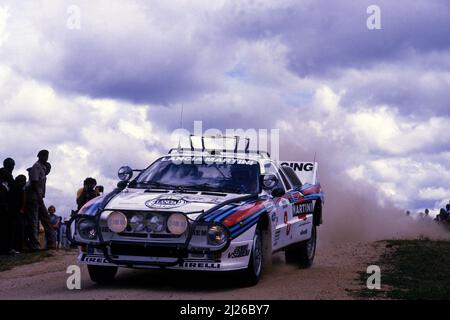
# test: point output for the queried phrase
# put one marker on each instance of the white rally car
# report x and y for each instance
(200, 209)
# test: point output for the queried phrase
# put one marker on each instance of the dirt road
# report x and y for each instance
(333, 273)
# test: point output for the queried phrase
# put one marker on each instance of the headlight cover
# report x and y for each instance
(87, 229)
(217, 235)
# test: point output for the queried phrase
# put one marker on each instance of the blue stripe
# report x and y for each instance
(245, 228)
(312, 196)
(252, 217)
(214, 214)
(222, 215)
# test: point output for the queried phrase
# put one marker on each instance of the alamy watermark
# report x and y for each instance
(251, 140)
(373, 21)
(74, 279)
(74, 17)
(374, 280)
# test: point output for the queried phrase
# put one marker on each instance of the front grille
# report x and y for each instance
(133, 235)
(140, 250)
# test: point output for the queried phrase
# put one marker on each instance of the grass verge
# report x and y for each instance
(412, 269)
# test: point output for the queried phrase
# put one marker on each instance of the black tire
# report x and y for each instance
(101, 274)
(252, 274)
(302, 253)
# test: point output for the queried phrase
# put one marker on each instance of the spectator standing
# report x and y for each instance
(55, 222)
(35, 201)
(18, 211)
(7, 171)
(4, 241)
(87, 193)
(443, 214)
(7, 222)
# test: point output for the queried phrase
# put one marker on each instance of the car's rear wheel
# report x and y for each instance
(252, 274)
(302, 253)
(102, 274)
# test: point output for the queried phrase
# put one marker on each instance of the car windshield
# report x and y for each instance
(205, 174)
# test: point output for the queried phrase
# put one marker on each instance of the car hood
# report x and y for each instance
(167, 201)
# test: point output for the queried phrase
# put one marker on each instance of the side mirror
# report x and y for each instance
(122, 184)
(278, 192)
(125, 173)
(269, 181)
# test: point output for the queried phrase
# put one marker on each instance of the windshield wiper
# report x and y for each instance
(156, 184)
(200, 187)
(209, 187)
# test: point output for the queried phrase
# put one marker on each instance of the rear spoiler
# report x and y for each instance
(306, 171)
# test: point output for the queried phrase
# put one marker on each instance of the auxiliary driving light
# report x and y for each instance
(177, 223)
(156, 223)
(137, 223)
(117, 222)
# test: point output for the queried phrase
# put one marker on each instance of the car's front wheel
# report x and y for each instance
(252, 274)
(102, 274)
(303, 253)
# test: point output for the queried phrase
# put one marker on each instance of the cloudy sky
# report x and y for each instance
(101, 84)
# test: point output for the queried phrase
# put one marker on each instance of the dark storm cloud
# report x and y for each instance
(132, 51)
(323, 36)
(129, 70)
(154, 53)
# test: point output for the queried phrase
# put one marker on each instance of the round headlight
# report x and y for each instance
(217, 235)
(177, 223)
(137, 223)
(87, 229)
(117, 222)
(156, 223)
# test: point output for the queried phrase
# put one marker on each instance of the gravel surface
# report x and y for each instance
(334, 272)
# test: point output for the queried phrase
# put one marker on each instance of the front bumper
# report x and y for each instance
(233, 256)
(236, 257)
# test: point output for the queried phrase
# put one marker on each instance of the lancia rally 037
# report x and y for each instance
(203, 209)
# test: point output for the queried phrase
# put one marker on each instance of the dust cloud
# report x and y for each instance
(354, 210)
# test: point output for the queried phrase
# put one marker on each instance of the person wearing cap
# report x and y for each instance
(36, 209)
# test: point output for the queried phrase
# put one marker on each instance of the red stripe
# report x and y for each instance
(311, 190)
(243, 213)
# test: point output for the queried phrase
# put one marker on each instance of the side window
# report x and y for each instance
(285, 180)
(293, 178)
(270, 168)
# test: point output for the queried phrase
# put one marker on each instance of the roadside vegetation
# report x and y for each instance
(412, 269)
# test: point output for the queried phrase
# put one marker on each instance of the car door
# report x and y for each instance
(282, 213)
(302, 210)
